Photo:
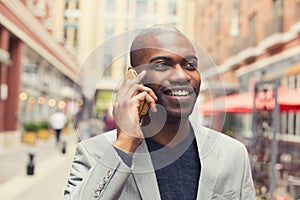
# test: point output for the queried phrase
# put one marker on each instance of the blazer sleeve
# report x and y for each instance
(247, 190)
(96, 178)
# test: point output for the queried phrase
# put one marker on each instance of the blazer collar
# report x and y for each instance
(143, 171)
(144, 175)
(206, 140)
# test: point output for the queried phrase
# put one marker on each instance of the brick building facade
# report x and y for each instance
(30, 60)
(243, 36)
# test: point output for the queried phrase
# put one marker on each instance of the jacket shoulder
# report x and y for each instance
(97, 145)
(216, 140)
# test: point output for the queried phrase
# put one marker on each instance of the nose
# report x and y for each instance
(179, 75)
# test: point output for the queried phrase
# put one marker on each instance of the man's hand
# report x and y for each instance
(126, 113)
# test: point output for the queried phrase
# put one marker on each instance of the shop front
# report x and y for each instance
(274, 151)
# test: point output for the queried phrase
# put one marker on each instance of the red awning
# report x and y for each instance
(243, 103)
(290, 100)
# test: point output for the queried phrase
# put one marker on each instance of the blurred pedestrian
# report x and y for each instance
(108, 120)
(58, 121)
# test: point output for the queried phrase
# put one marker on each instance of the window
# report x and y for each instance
(218, 19)
(110, 18)
(155, 7)
(66, 4)
(290, 121)
(172, 12)
(108, 64)
(75, 37)
(71, 34)
(109, 30)
(237, 4)
(172, 8)
(252, 30)
(141, 13)
(218, 52)
(297, 11)
(277, 16)
(77, 5)
(110, 5)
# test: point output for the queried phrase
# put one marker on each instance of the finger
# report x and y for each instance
(137, 79)
(144, 96)
(151, 102)
(140, 76)
(136, 89)
(142, 88)
(130, 86)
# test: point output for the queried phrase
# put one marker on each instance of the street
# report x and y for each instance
(50, 175)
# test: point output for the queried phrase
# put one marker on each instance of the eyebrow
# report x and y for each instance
(169, 59)
(160, 58)
(190, 57)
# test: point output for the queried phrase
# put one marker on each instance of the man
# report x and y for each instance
(58, 121)
(164, 154)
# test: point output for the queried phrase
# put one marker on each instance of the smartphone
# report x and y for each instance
(144, 106)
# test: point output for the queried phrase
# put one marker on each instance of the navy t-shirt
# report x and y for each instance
(177, 169)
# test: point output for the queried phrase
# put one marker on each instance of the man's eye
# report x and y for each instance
(160, 66)
(191, 65)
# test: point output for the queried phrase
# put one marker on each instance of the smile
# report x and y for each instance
(179, 93)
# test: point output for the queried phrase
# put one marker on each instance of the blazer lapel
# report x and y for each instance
(206, 139)
(144, 174)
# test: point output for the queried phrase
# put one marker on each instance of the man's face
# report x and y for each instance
(172, 72)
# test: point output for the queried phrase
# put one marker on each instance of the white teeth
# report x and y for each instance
(179, 93)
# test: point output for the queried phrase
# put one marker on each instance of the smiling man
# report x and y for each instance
(162, 155)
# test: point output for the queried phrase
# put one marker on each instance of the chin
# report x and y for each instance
(179, 114)
(175, 111)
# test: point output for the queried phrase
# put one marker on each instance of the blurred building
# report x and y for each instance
(252, 41)
(37, 72)
(87, 24)
(83, 25)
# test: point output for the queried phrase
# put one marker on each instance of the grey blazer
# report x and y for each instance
(99, 173)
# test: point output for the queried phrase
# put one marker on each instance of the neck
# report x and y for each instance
(170, 131)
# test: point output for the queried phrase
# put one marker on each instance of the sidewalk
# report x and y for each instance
(50, 175)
